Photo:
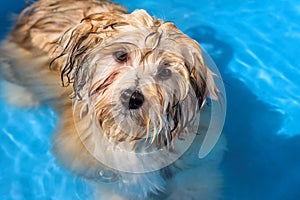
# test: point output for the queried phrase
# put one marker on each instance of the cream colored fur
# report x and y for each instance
(60, 52)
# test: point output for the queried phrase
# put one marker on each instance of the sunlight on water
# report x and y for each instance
(255, 42)
(268, 64)
(28, 166)
(265, 38)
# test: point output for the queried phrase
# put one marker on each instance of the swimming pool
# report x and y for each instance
(255, 44)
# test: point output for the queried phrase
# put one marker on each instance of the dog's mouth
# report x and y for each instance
(152, 132)
(147, 133)
(139, 116)
(148, 111)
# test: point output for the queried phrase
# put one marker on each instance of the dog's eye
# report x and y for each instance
(120, 56)
(164, 73)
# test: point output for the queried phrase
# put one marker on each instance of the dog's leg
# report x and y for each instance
(198, 183)
(17, 95)
(13, 93)
(105, 192)
(204, 181)
(13, 83)
(28, 80)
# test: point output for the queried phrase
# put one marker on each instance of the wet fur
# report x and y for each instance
(50, 57)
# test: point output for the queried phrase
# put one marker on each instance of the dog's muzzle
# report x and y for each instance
(132, 99)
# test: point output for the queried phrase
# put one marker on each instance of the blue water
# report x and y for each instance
(255, 44)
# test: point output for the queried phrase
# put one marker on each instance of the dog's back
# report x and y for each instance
(34, 42)
(40, 26)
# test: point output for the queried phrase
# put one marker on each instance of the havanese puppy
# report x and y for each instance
(130, 90)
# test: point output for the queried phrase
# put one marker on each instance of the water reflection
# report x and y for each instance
(259, 163)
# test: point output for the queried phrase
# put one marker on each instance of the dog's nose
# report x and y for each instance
(132, 99)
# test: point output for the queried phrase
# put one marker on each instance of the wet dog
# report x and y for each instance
(129, 88)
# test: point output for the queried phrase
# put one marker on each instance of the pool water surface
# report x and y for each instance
(255, 45)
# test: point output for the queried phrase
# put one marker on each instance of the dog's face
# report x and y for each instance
(139, 78)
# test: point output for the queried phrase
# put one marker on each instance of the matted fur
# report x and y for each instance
(60, 52)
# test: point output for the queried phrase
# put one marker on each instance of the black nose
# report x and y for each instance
(132, 99)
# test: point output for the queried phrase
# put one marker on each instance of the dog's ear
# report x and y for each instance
(201, 77)
(75, 44)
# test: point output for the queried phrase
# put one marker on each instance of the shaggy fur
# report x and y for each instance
(79, 57)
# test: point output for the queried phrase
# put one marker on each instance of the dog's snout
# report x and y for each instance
(132, 99)
(136, 100)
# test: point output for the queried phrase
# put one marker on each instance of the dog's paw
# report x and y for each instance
(17, 95)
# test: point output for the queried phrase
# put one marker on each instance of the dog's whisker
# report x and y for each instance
(147, 122)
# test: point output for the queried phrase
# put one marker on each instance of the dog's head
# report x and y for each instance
(141, 78)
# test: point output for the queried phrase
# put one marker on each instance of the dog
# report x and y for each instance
(129, 89)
